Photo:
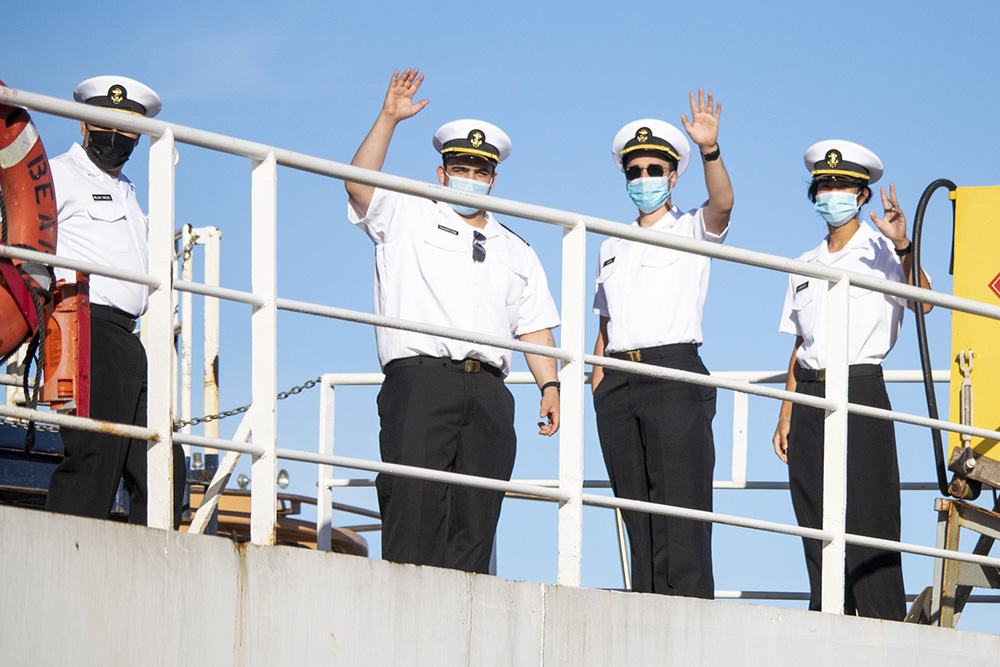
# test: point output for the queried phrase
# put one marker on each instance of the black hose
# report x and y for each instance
(925, 358)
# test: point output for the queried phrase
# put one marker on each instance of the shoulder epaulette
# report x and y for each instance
(514, 233)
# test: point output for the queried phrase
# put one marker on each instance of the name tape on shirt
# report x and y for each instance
(101, 197)
(802, 287)
(609, 261)
(446, 229)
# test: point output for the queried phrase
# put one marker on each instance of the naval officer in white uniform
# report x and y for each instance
(842, 175)
(443, 404)
(656, 435)
(100, 221)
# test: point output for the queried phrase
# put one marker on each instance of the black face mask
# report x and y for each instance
(109, 150)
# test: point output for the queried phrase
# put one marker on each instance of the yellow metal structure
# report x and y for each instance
(976, 268)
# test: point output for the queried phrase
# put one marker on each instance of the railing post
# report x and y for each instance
(211, 350)
(835, 445)
(741, 411)
(160, 333)
(324, 495)
(574, 289)
(187, 331)
(264, 347)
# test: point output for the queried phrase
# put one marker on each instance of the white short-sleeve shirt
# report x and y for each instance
(654, 296)
(875, 318)
(100, 221)
(424, 272)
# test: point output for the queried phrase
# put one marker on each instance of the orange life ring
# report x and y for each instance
(29, 200)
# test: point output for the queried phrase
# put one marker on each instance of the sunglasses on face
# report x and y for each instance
(652, 171)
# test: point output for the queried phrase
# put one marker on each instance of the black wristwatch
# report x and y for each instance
(711, 157)
(550, 384)
(905, 251)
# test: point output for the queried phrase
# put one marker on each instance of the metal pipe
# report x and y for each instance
(80, 423)
(701, 515)
(418, 327)
(300, 161)
(219, 443)
(218, 292)
(78, 265)
(422, 473)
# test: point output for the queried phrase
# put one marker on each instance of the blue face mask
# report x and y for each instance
(467, 185)
(837, 207)
(649, 194)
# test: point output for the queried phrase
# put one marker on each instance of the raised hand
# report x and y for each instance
(893, 222)
(704, 126)
(398, 103)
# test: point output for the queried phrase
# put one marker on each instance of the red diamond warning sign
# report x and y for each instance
(995, 285)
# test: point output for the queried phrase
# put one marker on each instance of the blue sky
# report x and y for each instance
(911, 81)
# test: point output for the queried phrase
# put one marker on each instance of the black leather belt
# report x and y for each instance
(819, 374)
(114, 315)
(460, 365)
(658, 352)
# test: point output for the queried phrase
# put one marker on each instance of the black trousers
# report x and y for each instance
(874, 577)
(86, 481)
(656, 436)
(435, 415)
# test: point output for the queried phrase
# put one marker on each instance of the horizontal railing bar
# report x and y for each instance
(723, 485)
(422, 473)
(919, 550)
(417, 327)
(218, 443)
(770, 526)
(779, 377)
(80, 423)
(218, 292)
(707, 517)
(915, 420)
(258, 151)
(786, 595)
(753, 377)
(78, 265)
(707, 381)
(15, 381)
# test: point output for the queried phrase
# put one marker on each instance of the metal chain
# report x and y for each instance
(178, 424)
(22, 423)
(185, 253)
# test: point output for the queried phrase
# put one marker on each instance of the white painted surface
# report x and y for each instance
(84, 592)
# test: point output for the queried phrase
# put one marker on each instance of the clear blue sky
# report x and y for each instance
(913, 81)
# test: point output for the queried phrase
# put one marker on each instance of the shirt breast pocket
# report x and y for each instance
(867, 308)
(445, 242)
(607, 270)
(110, 227)
(512, 279)
(659, 258)
(803, 306)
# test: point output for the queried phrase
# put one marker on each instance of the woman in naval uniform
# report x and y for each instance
(842, 173)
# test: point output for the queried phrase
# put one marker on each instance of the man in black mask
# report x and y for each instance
(100, 221)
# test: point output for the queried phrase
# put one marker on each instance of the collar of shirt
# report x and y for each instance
(860, 242)
(665, 223)
(87, 165)
(491, 230)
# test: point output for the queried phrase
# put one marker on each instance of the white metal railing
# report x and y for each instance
(261, 419)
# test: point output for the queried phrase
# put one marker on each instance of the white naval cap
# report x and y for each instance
(649, 134)
(121, 93)
(472, 137)
(835, 157)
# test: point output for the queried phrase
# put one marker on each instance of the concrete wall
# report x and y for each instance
(82, 592)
